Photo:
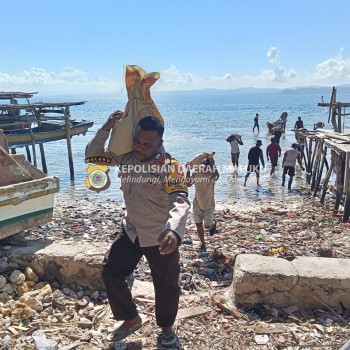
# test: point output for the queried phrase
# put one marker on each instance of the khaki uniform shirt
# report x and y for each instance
(155, 197)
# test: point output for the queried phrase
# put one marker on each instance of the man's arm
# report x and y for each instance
(261, 155)
(240, 142)
(189, 178)
(284, 158)
(279, 151)
(174, 229)
(299, 161)
(215, 175)
(267, 153)
(249, 154)
(95, 151)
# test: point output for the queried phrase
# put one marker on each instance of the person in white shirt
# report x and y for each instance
(289, 161)
(204, 178)
(235, 140)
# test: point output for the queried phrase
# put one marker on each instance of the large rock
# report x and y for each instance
(64, 261)
(308, 282)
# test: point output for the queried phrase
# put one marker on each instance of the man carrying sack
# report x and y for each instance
(155, 195)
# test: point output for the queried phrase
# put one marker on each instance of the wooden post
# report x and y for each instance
(69, 145)
(340, 164)
(339, 118)
(29, 157)
(333, 110)
(311, 172)
(305, 153)
(43, 159)
(33, 145)
(346, 214)
(328, 175)
(319, 177)
(309, 169)
(318, 153)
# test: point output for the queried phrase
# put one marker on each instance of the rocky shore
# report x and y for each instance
(36, 314)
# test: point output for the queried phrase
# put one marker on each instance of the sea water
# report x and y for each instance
(195, 122)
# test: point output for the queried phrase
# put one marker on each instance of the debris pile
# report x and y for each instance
(36, 314)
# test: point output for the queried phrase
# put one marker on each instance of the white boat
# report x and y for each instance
(26, 195)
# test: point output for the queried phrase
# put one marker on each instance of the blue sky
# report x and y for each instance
(75, 46)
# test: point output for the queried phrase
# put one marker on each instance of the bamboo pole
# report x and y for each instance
(69, 144)
(43, 159)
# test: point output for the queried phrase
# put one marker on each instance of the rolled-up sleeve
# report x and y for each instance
(178, 211)
(95, 151)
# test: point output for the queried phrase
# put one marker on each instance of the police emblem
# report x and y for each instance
(97, 178)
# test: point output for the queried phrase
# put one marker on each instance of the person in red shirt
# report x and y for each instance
(273, 151)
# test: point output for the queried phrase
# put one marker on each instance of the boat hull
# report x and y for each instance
(26, 205)
(24, 137)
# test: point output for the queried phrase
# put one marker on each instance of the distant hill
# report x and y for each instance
(321, 90)
(307, 90)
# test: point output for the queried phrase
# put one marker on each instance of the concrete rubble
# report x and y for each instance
(38, 306)
(307, 282)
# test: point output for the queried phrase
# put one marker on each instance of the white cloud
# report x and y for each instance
(331, 71)
(225, 77)
(68, 79)
(173, 79)
(273, 55)
(337, 68)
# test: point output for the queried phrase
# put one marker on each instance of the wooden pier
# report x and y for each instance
(327, 157)
(53, 122)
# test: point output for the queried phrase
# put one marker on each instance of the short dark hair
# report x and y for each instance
(152, 124)
(273, 139)
(294, 145)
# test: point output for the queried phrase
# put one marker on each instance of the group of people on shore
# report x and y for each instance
(157, 207)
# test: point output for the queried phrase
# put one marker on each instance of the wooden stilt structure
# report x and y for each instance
(321, 173)
(53, 120)
(337, 176)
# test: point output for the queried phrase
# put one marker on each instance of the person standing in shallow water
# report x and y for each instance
(153, 226)
(255, 156)
(235, 140)
(289, 161)
(256, 122)
(273, 151)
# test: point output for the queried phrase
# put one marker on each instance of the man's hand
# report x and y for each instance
(108, 125)
(167, 241)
